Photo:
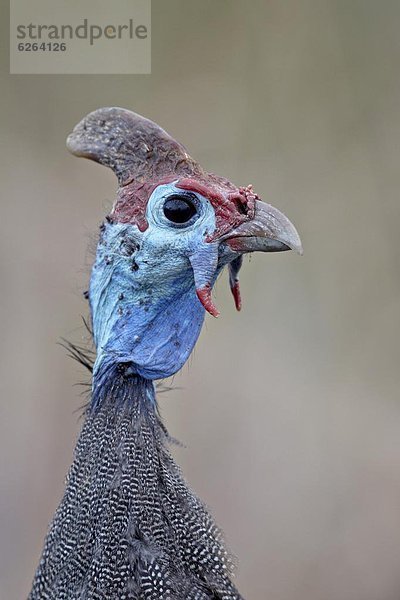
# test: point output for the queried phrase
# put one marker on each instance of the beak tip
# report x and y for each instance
(292, 239)
(298, 248)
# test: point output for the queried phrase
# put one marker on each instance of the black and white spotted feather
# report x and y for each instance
(128, 526)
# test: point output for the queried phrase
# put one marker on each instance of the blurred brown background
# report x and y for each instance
(290, 411)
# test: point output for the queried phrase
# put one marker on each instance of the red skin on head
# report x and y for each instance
(143, 156)
(232, 205)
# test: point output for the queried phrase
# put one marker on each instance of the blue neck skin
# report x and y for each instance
(143, 312)
(146, 315)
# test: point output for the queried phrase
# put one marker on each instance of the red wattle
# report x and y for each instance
(235, 289)
(204, 295)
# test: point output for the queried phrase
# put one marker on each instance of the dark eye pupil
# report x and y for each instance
(179, 209)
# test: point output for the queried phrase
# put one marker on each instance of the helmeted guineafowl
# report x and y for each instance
(128, 526)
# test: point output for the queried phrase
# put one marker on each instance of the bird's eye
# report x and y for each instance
(179, 209)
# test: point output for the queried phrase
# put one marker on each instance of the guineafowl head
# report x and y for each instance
(171, 231)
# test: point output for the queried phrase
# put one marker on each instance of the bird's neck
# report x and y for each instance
(128, 525)
(141, 313)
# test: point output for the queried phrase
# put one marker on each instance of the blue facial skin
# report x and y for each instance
(145, 311)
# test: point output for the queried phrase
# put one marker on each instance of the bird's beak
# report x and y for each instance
(269, 231)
